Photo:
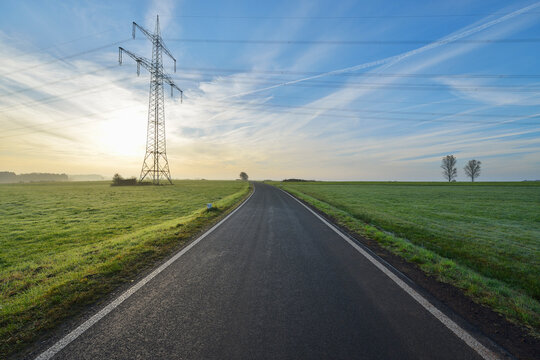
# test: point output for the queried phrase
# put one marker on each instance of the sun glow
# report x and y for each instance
(124, 134)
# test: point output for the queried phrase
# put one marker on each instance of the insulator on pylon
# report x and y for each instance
(138, 68)
(120, 55)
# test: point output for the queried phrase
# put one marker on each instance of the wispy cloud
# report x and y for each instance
(214, 135)
(392, 60)
(490, 93)
(164, 8)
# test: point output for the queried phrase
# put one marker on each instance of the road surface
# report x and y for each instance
(271, 282)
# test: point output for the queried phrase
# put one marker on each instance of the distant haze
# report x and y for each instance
(91, 177)
(7, 177)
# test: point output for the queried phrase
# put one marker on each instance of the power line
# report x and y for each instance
(311, 84)
(461, 114)
(372, 102)
(354, 42)
(308, 110)
(247, 72)
(39, 50)
(37, 127)
(85, 52)
(364, 85)
(301, 107)
(59, 81)
(421, 113)
(360, 117)
(515, 87)
(406, 16)
(64, 96)
(398, 75)
(396, 58)
(305, 111)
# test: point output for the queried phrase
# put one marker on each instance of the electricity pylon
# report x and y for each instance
(155, 164)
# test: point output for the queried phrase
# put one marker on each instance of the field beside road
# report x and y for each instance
(63, 245)
(483, 237)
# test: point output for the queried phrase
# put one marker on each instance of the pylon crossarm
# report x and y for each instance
(143, 30)
(146, 63)
(168, 53)
(167, 79)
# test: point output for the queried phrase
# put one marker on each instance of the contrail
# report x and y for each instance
(396, 58)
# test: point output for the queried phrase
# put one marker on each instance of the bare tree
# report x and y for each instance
(244, 176)
(449, 167)
(472, 169)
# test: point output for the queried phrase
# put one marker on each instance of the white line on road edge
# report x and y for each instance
(449, 323)
(62, 343)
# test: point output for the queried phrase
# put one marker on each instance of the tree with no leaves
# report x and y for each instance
(449, 167)
(472, 169)
(244, 176)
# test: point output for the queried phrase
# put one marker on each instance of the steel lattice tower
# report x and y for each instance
(155, 164)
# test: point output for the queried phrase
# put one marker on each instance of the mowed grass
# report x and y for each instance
(63, 245)
(491, 229)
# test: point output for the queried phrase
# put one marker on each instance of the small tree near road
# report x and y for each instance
(449, 167)
(472, 169)
(244, 176)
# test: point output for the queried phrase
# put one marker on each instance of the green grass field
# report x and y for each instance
(63, 245)
(487, 229)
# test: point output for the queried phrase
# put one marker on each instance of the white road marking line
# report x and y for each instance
(449, 323)
(62, 343)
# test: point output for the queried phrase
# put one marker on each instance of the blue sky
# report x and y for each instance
(333, 90)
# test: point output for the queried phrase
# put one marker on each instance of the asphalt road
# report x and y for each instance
(271, 282)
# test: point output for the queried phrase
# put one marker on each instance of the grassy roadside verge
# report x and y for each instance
(512, 303)
(80, 276)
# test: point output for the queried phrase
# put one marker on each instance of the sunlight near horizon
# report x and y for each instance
(123, 135)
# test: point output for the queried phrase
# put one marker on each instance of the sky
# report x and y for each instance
(326, 90)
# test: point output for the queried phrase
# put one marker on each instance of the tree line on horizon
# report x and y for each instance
(448, 164)
(10, 177)
(7, 177)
